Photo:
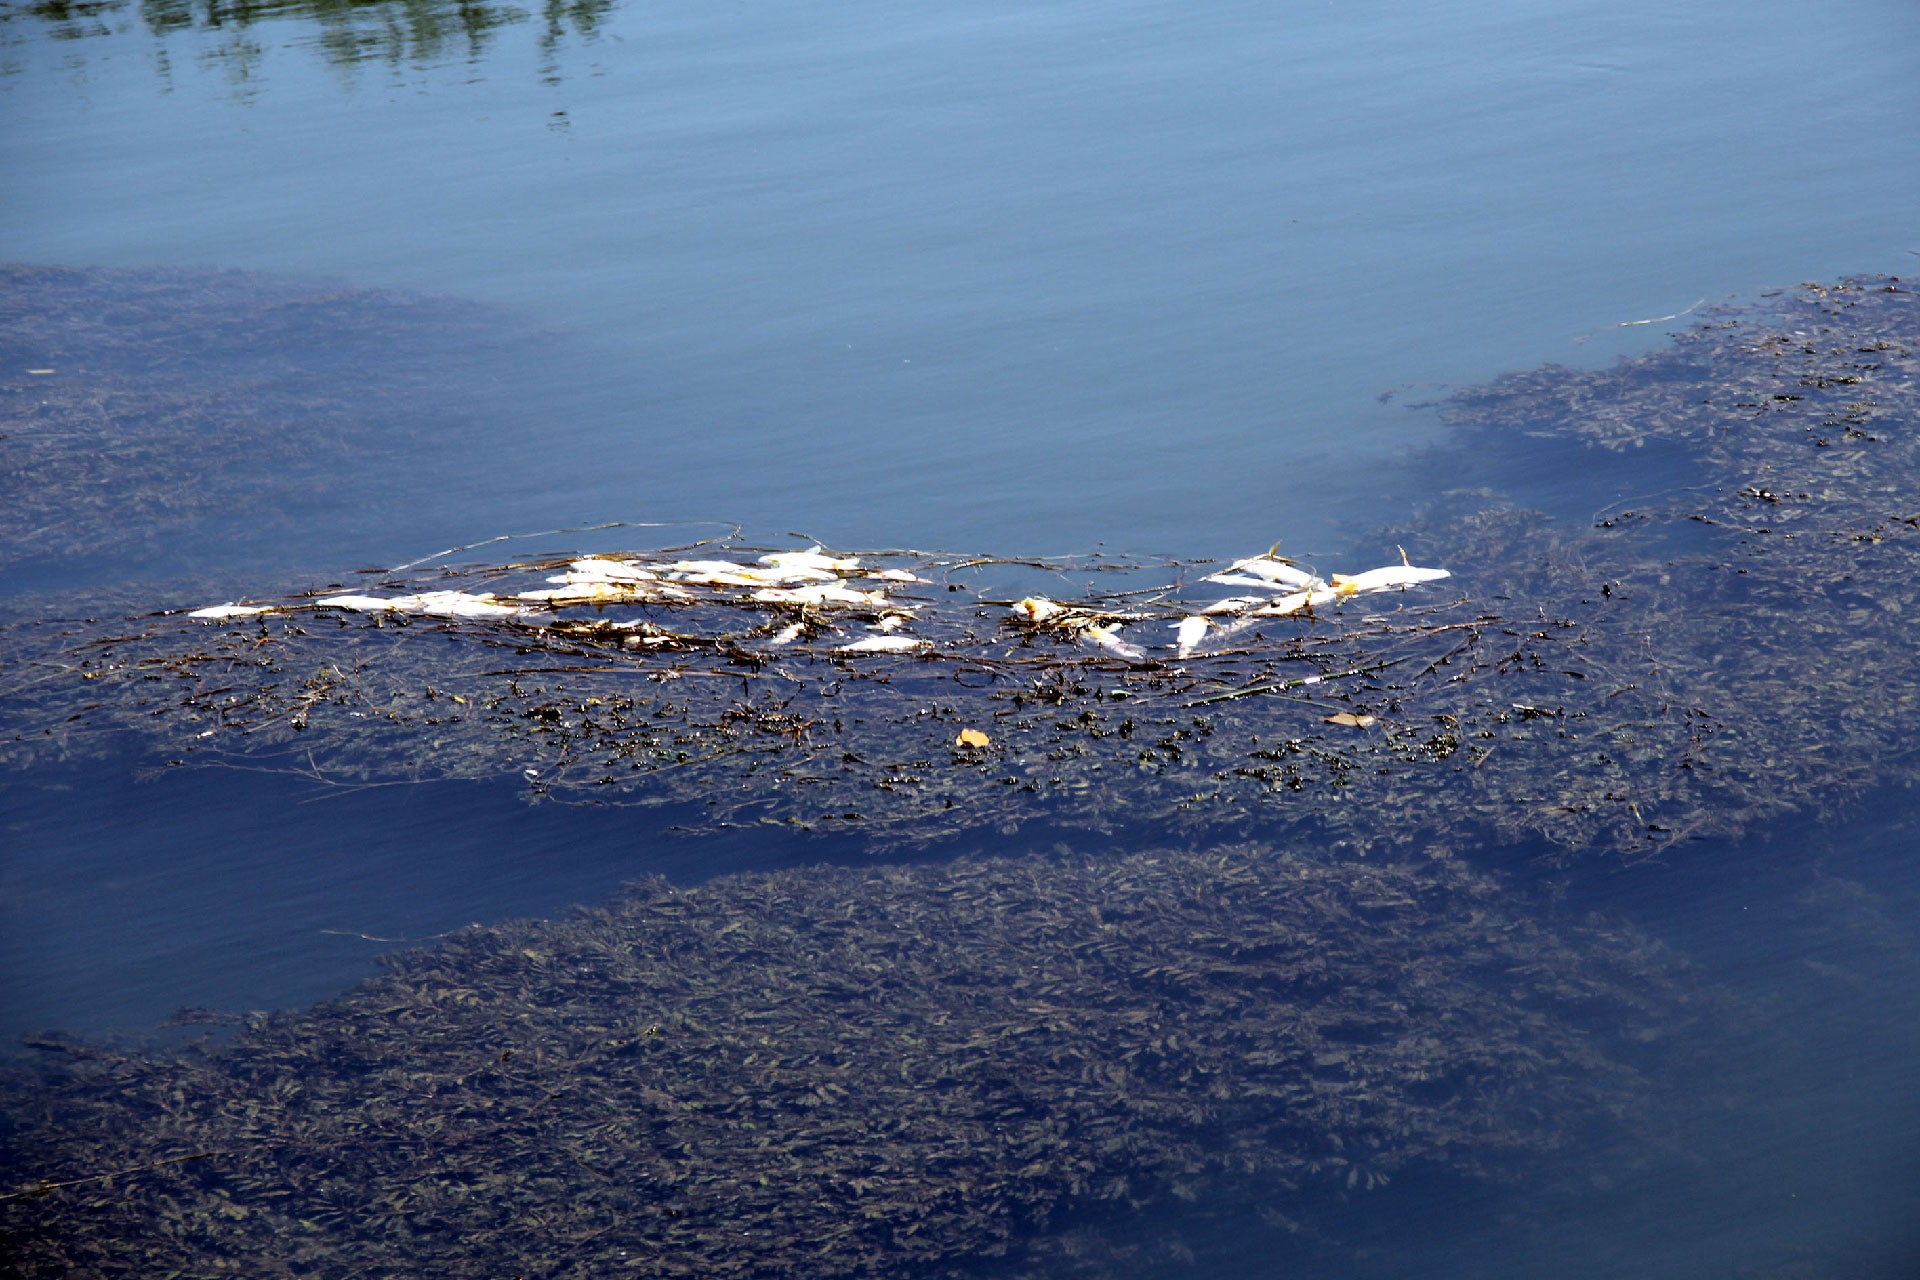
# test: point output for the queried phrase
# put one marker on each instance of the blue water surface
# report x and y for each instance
(1017, 276)
(1027, 278)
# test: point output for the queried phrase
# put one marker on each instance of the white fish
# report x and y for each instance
(706, 566)
(1297, 601)
(1241, 580)
(231, 611)
(591, 592)
(1189, 632)
(813, 559)
(1279, 572)
(1039, 609)
(1108, 638)
(1393, 575)
(724, 573)
(788, 634)
(820, 593)
(895, 575)
(439, 604)
(784, 574)
(598, 569)
(1234, 604)
(883, 644)
(367, 604)
(457, 604)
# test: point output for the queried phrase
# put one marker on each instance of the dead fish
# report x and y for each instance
(1108, 637)
(1297, 601)
(231, 610)
(1189, 632)
(1272, 571)
(883, 644)
(1393, 575)
(600, 569)
(1039, 609)
(820, 593)
(813, 559)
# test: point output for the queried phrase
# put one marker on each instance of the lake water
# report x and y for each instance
(1015, 278)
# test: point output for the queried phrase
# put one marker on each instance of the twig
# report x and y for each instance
(1298, 682)
(43, 1187)
(1628, 324)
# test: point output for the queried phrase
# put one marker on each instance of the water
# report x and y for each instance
(1021, 278)
(1040, 276)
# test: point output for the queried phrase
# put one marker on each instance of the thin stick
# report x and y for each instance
(1628, 324)
(1299, 682)
(43, 1187)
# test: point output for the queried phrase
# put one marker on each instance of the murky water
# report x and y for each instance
(1019, 279)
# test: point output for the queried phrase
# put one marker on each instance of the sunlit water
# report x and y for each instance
(1021, 278)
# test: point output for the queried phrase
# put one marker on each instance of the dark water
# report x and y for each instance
(1027, 279)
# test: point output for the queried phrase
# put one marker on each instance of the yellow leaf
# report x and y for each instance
(972, 738)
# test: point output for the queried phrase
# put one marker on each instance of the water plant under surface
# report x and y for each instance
(903, 1065)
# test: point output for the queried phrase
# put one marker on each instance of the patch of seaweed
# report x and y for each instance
(1694, 662)
(858, 1072)
(909, 1069)
(139, 405)
(1697, 661)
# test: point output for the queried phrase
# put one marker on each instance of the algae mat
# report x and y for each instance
(1729, 648)
(141, 408)
(861, 1073)
(909, 1069)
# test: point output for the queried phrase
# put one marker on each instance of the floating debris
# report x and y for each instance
(607, 580)
(1594, 683)
(909, 1069)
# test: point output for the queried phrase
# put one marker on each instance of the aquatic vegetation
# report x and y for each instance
(908, 1068)
(142, 405)
(1685, 663)
(860, 1072)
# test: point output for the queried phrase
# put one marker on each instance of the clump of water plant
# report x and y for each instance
(1684, 663)
(858, 1072)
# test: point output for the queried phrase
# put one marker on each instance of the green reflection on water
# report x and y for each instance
(347, 33)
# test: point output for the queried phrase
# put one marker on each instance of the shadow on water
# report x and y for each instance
(1541, 955)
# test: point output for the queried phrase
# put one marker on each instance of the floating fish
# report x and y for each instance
(813, 559)
(1236, 604)
(1189, 632)
(599, 569)
(1394, 575)
(438, 604)
(231, 611)
(1039, 609)
(883, 644)
(1108, 637)
(820, 593)
(1297, 601)
(1272, 571)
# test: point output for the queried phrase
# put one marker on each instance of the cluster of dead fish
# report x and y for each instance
(813, 584)
(791, 580)
(1283, 588)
